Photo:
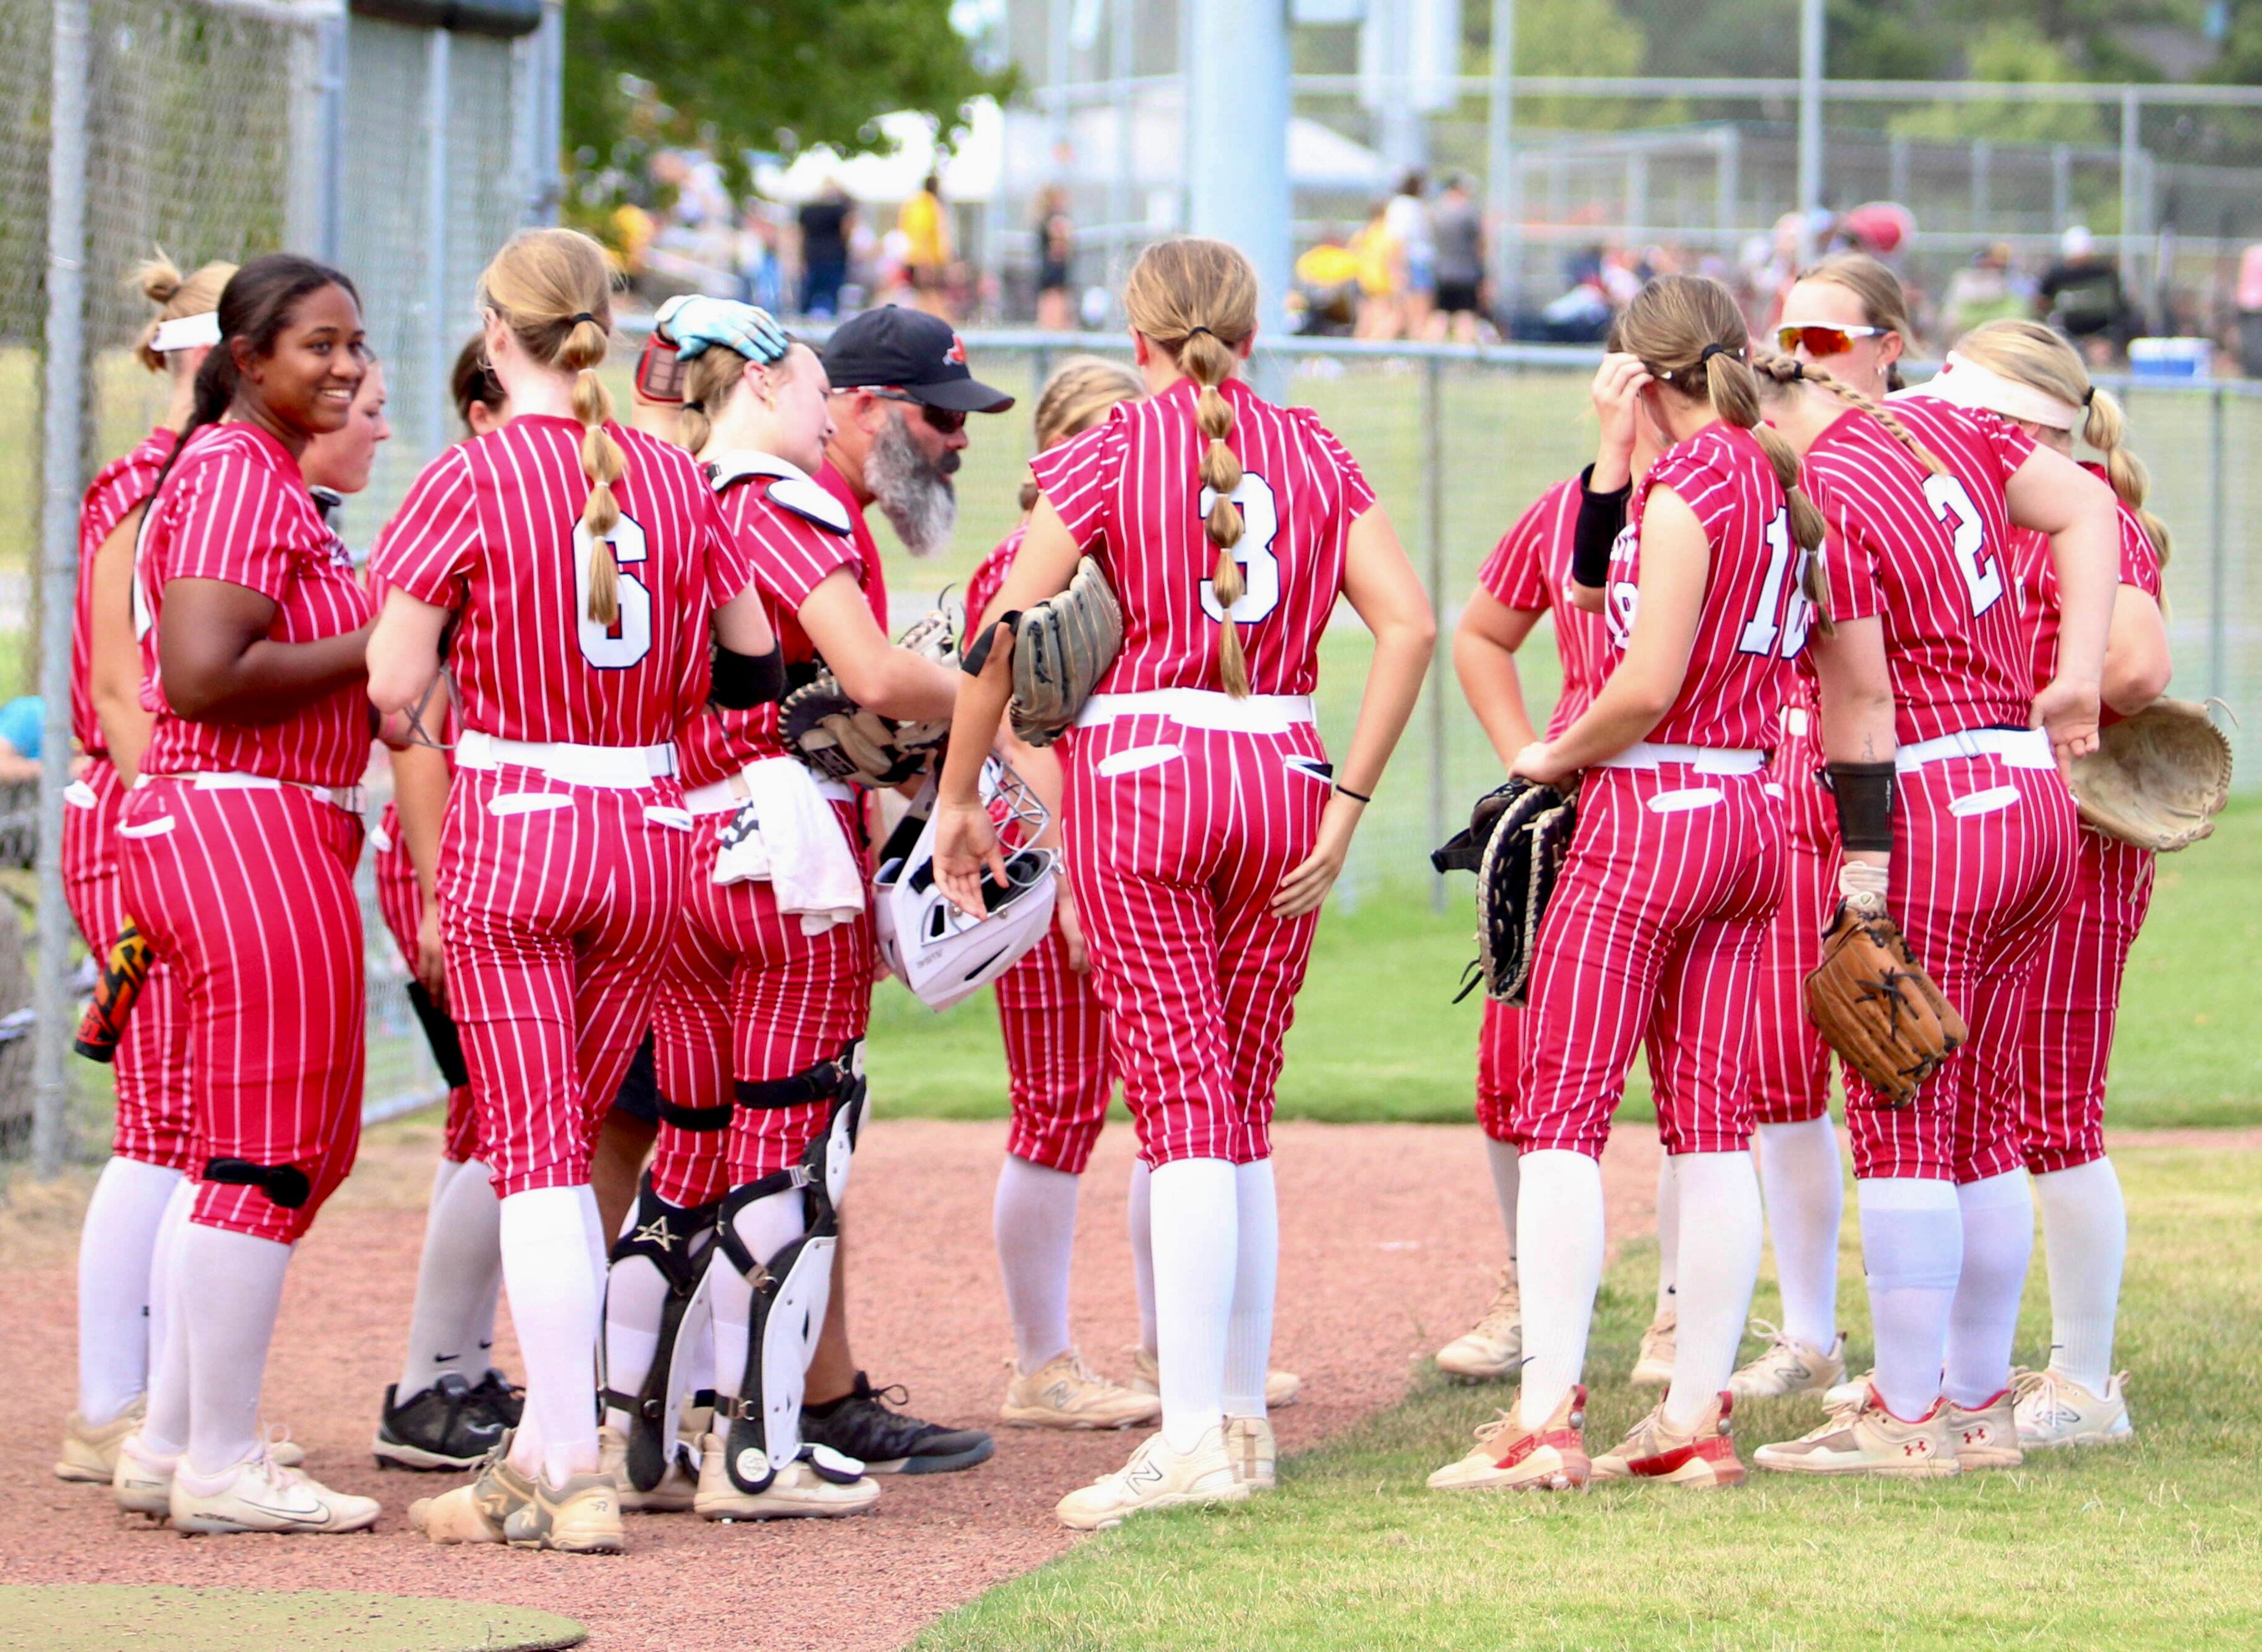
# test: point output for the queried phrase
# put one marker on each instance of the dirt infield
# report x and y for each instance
(1388, 1235)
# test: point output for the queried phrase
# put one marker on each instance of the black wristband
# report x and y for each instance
(743, 681)
(977, 657)
(1600, 517)
(1356, 797)
(1864, 795)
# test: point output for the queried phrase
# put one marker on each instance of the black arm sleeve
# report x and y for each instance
(743, 681)
(1864, 795)
(1601, 516)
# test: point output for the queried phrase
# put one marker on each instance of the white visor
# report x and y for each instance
(186, 332)
(1963, 382)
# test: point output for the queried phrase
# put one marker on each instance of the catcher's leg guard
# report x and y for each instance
(761, 1423)
(676, 1240)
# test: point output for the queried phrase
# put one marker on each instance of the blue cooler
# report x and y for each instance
(2171, 358)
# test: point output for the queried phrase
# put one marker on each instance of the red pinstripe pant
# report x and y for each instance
(250, 893)
(1652, 937)
(555, 906)
(2072, 1000)
(1055, 1058)
(747, 995)
(402, 904)
(1176, 839)
(150, 1071)
(1791, 1065)
(1499, 1062)
(1984, 861)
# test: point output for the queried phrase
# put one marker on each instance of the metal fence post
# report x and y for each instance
(2218, 571)
(436, 404)
(1433, 539)
(64, 437)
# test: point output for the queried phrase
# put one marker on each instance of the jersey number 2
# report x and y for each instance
(1981, 573)
(628, 639)
(1260, 569)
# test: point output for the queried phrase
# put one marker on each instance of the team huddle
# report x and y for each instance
(667, 801)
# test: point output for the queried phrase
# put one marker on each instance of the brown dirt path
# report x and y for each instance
(1388, 1239)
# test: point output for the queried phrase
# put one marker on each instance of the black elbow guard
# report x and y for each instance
(1600, 517)
(1864, 795)
(743, 681)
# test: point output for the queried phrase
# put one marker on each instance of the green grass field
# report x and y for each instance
(2155, 1544)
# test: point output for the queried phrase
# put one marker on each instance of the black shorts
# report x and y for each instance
(639, 1096)
(1453, 296)
(1052, 277)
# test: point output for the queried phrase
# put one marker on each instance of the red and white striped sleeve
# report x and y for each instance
(1079, 476)
(429, 545)
(1515, 575)
(1356, 495)
(233, 521)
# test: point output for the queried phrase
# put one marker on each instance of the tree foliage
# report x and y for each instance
(2016, 51)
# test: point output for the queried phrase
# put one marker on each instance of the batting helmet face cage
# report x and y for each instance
(940, 952)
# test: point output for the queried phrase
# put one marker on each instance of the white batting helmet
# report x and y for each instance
(940, 952)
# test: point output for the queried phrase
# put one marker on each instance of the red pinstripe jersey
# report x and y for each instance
(989, 577)
(788, 556)
(125, 482)
(876, 577)
(236, 508)
(1928, 554)
(1130, 493)
(491, 528)
(2140, 566)
(1753, 619)
(1530, 570)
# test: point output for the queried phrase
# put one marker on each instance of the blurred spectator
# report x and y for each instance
(23, 727)
(926, 254)
(1381, 275)
(762, 276)
(1409, 219)
(1983, 290)
(825, 225)
(1457, 228)
(2081, 296)
(1581, 315)
(1056, 233)
(2249, 310)
(1328, 286)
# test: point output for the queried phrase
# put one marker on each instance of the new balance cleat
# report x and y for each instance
(1280, 1387)
(1985, 1436)
(262, 1495)
(1788, 1367)
(1867, 1439)
(1655, 1450)
(1510, 1457)
(1066, 1393)
(1157, 1478)
(818, 1485)
(1492, 1348)
(1652, 1366)
(2053, 1409)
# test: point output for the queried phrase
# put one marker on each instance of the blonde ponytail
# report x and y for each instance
(2107, 430)
(709, 379)
(1196, 300)
(1077, 397)
(174, 295)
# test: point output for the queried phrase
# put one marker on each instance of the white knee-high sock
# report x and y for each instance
(1668, 1233)
(2086, 1231)
(165, 1425)
(555, 1289)
(764, 1227)
(1140, 1211)
(1559, 1220)
(457, 1279)
(1500, 1160)
(1249, 1333)
(1998, 1242)
(228, 1321)
(1806, 1205)
(1197, 1248)
(116, 1246)
(1911, 1250)
(1033, 1220)
(1719, 1199)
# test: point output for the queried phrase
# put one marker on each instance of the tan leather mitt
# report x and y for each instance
(1062, 649)
(1875, 1005)
(2157, 779)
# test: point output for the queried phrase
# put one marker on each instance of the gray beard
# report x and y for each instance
(917, 497)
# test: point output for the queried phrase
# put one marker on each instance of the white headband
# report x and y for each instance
(1963, 382)
(186, 332)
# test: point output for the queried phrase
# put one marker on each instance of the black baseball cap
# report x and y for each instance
(902, 348)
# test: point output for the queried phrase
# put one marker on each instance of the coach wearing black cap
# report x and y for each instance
(901, 394)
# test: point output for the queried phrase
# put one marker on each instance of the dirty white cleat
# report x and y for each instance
(142, 1481)
(1867, 1439)
(673, 1495)
(475, 1513)
(262, 1495)
(2053, 1409)
(1705, 1456)
(1510, 1457)
(1788, 1367)
(1256, 1456)
(1652, 1366)
(820, 1484)
(1492, 1348)
(1157, 1478)
(1985, 1436)
(1280, 1387)
(1066, 1393)
(90, 1454)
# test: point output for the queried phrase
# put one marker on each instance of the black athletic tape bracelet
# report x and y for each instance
(977, 657)
(1356, 797)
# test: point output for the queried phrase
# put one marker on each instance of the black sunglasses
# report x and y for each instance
(942, 421)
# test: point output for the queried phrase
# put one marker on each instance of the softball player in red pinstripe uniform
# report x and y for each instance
(1654, 933)
(1975, 855)
(2032, 377)
(1203, 831)
(253, 629)
(120, 1313)
(581, 563)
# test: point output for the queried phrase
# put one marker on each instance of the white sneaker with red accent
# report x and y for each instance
(1867, 1438)
(1655, 1450)
(1986, 1436)
(1510, 1457)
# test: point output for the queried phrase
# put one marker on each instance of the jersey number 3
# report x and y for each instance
(628, 639)
(1260, 569)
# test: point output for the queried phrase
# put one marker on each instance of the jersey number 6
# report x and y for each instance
(1260, 569)
(628, 639)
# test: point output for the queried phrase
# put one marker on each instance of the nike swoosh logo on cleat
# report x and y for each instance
(297, 1516)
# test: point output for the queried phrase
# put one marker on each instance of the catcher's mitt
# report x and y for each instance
(837, 737)
(1530, 834)
(1061, 649)
(2157, 779)
(1875, 1005)
(1463, 850)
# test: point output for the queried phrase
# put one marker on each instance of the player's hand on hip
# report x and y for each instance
(1538, 762)
(2068, 712)
(696, 322)
(1072, 928)
(966, 850)
(431, 958)
(1307, 886)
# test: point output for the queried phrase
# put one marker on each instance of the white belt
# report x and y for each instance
(725, 796)
(623, 768)
(348, 798)
(1644, 754)
(1202, 708)
(2018, 748)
